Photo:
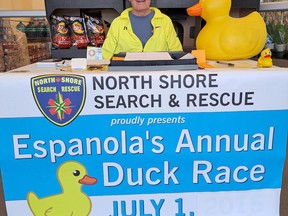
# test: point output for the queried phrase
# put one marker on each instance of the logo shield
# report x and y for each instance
(60, 98)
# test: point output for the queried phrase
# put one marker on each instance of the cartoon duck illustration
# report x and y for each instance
(265, 59)
(72, 201)
(225, 37)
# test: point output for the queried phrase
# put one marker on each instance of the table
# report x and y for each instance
(183, 143)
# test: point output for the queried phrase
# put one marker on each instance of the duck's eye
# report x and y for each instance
(76, 173)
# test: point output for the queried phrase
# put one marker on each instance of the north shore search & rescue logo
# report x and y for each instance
(60, 98)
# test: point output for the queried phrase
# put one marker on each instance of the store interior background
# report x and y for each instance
(17, 50)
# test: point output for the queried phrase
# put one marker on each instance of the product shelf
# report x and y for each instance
(274, 6)
(73, 7)
(52, 5)
(22, 13)
(72, 52)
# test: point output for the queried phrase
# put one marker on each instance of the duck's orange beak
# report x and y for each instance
(88, 180)
(195, 10)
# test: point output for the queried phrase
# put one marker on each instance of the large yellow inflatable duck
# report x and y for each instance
(225, 37)
(72, 201)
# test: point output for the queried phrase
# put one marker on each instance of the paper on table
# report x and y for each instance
(98, 62)
(234, 64)
(138, 56)
(188, 56)
(50, 63)
(78, 63)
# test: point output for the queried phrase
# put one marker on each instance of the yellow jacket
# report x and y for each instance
(121, 38)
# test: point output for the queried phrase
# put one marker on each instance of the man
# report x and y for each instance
(141, 28)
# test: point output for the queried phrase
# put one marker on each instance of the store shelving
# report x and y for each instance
(13, 51)
(53, 5)
(171, 7)
(274, 6)
(22, 13)
(73, 8)
(274, 13)
(266, 6)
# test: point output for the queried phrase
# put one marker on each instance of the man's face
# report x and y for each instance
(140, 5)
